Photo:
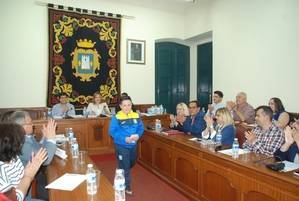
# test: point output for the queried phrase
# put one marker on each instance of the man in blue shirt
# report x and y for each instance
(195, 123)
(31, 145)
(64, 108)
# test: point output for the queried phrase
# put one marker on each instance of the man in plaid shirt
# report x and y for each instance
(265, 138)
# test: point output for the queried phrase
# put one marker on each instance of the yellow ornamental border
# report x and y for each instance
(106, 34)
(65, 28)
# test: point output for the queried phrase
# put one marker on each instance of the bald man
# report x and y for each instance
(241, 110)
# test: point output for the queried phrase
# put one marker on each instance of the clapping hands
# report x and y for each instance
(208, 120)
(250, 136)
(230, 105)
(180, 119)
(49, 130)
(36, 161)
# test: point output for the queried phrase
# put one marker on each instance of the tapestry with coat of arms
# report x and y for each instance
(84, 53)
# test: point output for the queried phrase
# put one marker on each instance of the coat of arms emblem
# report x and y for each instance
(85, 60)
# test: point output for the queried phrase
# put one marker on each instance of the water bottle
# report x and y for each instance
(84, 112)
(157, 110)
(70, 135)
(75, 148)
(158, 126)
(235, 149)
(91, 180)
(49, 113)
(161, 109)
(119, 185)
(218, 139)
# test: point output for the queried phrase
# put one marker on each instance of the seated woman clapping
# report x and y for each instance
(290, 149)
(225, 126)
(12, 172)
(181, 113)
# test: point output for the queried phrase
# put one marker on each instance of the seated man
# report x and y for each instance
(241, 110)
(32, 146)
(217, 103)
(195, 123)
(289, 150)
(64, 108)
(265, 138)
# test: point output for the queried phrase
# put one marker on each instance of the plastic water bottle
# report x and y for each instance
(161, 109)
(235, 148)
(70, 135)
(158, 126)
(75, 148)
(218, 139)
(49, 113)
(84, 112)
(91, 180)
(119, 185)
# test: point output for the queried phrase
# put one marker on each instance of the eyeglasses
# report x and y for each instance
(193, 107)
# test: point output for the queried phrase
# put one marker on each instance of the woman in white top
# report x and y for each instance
(97, 107)
(12, 172)
(181, 113)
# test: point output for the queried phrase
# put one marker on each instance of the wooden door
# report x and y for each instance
(172, 74)
(204, 73)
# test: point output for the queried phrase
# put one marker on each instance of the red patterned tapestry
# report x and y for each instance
(84, 53)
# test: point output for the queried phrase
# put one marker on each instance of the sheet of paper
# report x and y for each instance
(193, 139)
(60, 153)
(289, 166)
(78, 116)
(67, 182)
(229, 151)
(60, 138)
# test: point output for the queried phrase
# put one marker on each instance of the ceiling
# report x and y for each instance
(178, 6)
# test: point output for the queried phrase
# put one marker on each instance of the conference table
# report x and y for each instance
(92, 135)
(198, 171)
(59, 167)
(201, 173)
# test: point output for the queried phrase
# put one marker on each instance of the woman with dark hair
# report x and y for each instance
(280, 117)
(126, 128)
(12, 172)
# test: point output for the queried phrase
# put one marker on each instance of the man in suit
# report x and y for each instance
(195, 123)
(31, 145)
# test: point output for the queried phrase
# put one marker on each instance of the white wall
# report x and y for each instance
(255, 48)
(24, 48)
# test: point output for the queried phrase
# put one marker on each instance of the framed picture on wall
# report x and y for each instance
(135, 51)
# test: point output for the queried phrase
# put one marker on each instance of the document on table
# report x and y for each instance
(230, 153)
(61, 153)
(289, 166)
(193, 139)
(67, 182)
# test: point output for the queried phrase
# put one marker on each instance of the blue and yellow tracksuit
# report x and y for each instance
(121, 126)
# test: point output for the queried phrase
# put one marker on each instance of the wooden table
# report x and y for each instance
(203, 174)
(92, 133)
(59, 167)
